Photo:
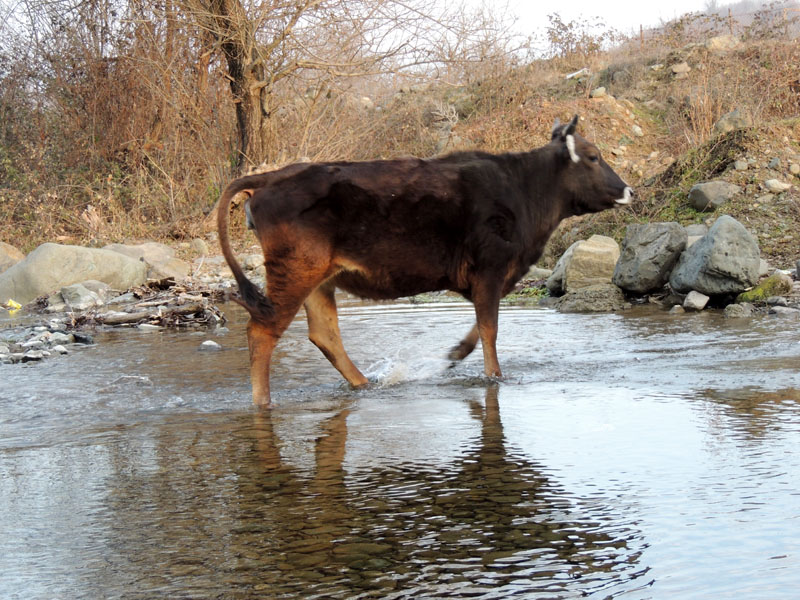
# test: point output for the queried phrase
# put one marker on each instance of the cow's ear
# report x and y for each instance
(556, 130)
(562, 131)
(569, 128)
(566, 134)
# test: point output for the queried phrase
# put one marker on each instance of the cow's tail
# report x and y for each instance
(257, 304)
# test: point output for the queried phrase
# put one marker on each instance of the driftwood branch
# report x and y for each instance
(136, 317)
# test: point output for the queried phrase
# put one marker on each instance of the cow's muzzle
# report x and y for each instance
(626, 197)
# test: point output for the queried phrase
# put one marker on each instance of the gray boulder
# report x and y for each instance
(696, 229)
(726, 260)
(538, 273)
(585, 263)
(555, 283)
(103, 290)
(79, 297)
(160, 259)
(711, 195)
(174, 268)
(695, 232)
(599, 298)
(150, 252)
(738, 311)
(53, 266)
(9, 256)
(785, 311)
(649, 252)
(592, 263)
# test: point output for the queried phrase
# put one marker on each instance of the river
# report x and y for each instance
(641, 455)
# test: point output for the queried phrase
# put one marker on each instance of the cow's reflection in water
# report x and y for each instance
(489, 520)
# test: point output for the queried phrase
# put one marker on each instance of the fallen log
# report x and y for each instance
(136, 317)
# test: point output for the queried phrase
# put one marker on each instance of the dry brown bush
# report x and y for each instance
(125, 125)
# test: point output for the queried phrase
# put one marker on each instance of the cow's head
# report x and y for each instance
(590, 184)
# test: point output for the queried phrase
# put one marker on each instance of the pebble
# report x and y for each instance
(83, 338)
(147, 327)
(777, 301)
(598, 92)
(783, 311)
(56, 325)
(695, 301)
(210, 345)
(734, 311)
(34, 355)
(58, 338)
(776, 186)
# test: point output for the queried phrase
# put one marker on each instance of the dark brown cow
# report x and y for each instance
(469, 222)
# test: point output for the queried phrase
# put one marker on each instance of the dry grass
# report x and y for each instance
(87, 162)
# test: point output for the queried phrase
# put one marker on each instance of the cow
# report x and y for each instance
(468, 222)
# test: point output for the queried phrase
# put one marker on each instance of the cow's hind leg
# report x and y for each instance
(323, 331)
(262, 337)
(261, 341)
(465, 346)
(291, 277)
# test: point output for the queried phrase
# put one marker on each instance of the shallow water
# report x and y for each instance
(633, 456)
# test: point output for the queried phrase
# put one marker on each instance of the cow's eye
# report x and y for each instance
(594, 158)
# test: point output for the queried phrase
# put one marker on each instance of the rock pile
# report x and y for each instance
(32, 344)
(144, 307)
(141, 285)
(53, 266)
(689, 267)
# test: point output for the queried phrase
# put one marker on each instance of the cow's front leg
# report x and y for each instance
(486, 298)
(323, 331)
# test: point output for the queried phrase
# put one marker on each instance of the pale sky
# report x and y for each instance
(623, 15)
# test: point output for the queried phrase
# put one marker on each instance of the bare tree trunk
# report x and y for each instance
(248, 79)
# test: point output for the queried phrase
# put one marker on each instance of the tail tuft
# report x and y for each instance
(257, 304)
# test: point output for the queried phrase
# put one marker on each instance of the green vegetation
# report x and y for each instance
(527, 295)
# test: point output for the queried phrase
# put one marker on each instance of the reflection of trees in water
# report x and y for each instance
(491, 521)
(754, 412)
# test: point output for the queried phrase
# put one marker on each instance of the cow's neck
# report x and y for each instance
(547, 203)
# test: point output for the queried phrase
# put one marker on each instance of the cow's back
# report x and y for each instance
(395, 228)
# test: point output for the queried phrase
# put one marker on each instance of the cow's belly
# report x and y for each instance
(388, 285)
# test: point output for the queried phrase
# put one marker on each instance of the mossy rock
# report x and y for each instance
(774, 285)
